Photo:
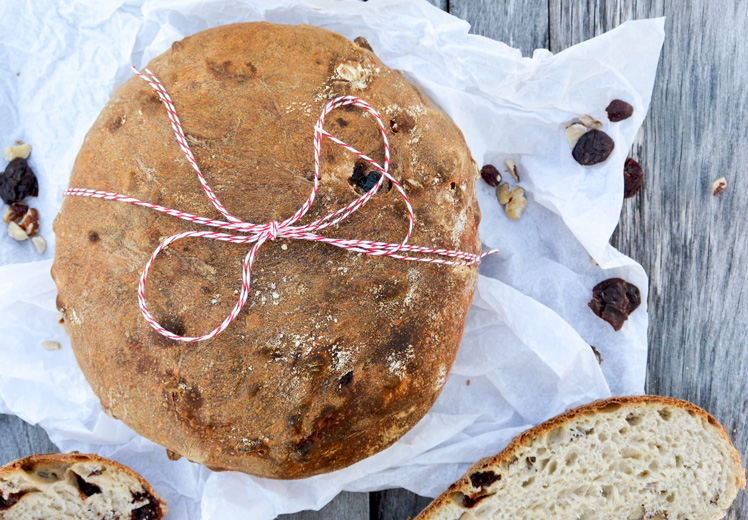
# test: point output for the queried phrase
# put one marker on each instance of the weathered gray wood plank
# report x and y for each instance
(346, 506)
(19, 439)
(520, 23)
(441, 4)
(397, 504)
(693, 245)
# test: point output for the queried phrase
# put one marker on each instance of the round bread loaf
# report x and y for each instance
(336, 354)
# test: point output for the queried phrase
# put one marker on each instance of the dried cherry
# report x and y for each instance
(632, 178)
(614, 300)
(370, 181)
(593, 147)
(483, 479)
(18, 182)
(86, 488)
(491, 175)
(10, 501)
(619, 110)
(149, 511)
(362, 179)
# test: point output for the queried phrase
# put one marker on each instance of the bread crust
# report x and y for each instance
(526, 437)
(335, 355)
(56, 460)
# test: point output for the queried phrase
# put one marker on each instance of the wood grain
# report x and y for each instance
(520, 23)
(396, 504)
(692, 244)
(348, 506)
(19, 439)
(441, 4)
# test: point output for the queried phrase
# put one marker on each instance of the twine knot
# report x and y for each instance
(272, 230)
(257, 234)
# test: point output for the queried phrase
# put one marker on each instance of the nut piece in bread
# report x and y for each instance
(75, 487)
(335, 355)
(628, 458)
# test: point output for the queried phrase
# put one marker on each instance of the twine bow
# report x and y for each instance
(258, 234)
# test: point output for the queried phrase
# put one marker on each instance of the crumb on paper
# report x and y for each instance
(51, 345)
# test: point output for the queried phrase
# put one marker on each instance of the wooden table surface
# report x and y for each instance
(693, 246)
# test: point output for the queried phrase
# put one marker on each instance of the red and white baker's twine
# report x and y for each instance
(258, 234)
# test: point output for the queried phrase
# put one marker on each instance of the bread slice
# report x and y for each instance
(623, 458)
(75, 487)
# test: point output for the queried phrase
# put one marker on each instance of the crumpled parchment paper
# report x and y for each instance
(525, 354)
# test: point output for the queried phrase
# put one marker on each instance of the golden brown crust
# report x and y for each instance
(541, 429)
(335, 355)
(56, 460)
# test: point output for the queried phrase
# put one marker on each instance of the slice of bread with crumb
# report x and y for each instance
(623, 458)
(75, 487)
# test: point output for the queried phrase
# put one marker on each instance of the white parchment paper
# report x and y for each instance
(525, 354)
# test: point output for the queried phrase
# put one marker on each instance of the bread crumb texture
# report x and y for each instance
(75, 487)
(639, 458)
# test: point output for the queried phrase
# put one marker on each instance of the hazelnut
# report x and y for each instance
(511, 167)
(51, 345)
(590, 122)
(21, 150)
(16, 233)
(30, 222)
(516, 204)
(15, 212)
(719, 186)
(503, 193)
(40, 244)
(491, 175)
(573, 132)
